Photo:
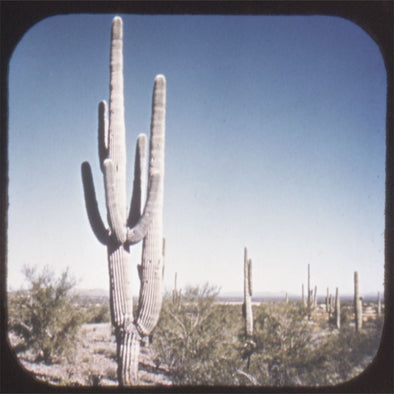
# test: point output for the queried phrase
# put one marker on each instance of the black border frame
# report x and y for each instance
(375, 17)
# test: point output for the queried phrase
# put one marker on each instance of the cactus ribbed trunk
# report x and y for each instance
(358, 317)
(140, 224)
(248, 312)
(337, 309)
(128, 350)
(379, 311)
(121, 300)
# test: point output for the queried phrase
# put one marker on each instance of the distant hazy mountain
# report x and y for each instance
(238, 295)
(91, 292)
(272, 295)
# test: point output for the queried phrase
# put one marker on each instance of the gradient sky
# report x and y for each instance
(275, 140)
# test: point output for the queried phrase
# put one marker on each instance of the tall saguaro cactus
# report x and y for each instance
(248, 312)
(358, 316)
(139, 224)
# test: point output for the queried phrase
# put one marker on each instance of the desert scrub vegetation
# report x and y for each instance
(95, 312)
(43, 316)
(195, 338)
(198, 340)
(293, 350)
(283, 337)
(203, 342)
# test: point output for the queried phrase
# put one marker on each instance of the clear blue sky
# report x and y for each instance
(275, 140)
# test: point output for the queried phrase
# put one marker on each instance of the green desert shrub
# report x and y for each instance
(44, 316)
(283, 337)
(291, 350)
(195, 340)
(348, 352)
(97, 314)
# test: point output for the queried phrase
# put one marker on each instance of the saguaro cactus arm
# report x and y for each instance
(139, 181)
(140, 230)
(156, 170)
(103, 133)
(121, 232)
(152, 263)
(156, 162)
(158, 118)
(98, 227)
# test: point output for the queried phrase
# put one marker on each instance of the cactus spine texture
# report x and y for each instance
(358, 317)
(248, 312)
(125, 230)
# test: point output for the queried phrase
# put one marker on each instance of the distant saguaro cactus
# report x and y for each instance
(309, 292)
(315, 297)
(175, 294)
(329, 301)
(337, 309)
(379, 311)
(358, 312)
(328, 293)
(127, 229)
(247, 306)
(247, 310)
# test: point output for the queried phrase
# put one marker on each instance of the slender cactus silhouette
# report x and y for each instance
(337, 309)
(248, 312)
(358, 312)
